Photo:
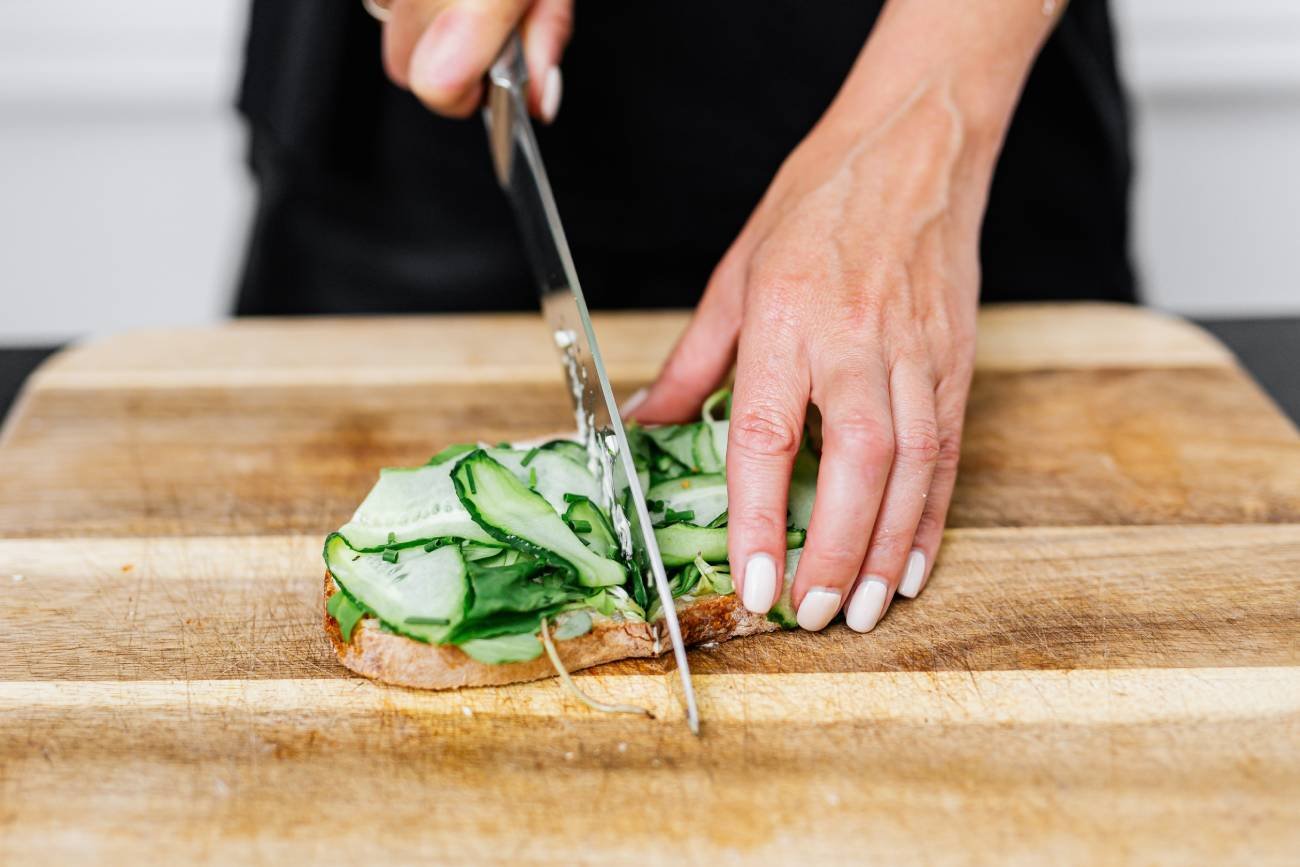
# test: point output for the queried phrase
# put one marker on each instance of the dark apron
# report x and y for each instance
(673, 122)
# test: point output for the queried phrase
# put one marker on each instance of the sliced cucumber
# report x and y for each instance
(510, 512)
(588, 520)
(473, 551)
(783, 611)
(680, 544)
(706, 456)
(803, 487)
(550, 473)
(419, 594)
(677, 441)
(451, 452)
(507, 648)
(476, 547)
(705, 496)
(574, 451)
(718, 431)
(411, 506)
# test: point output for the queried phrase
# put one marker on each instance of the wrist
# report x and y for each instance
(971, 57)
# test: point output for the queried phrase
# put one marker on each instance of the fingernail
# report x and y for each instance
(630, 405)
(868, 604)
(760, 583)
(552, 90)
(819, 605)
(913, 575)
(435, 65)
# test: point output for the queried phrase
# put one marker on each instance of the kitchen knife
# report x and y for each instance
(519, 169)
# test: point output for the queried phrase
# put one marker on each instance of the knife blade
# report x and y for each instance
(519, 169)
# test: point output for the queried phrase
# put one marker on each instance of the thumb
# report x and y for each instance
(546, 31)
(704, 353)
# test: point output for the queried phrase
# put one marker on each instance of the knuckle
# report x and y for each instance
(862, 436)
(765, 432)
(759, 523)
(949, 451)
(919, 444)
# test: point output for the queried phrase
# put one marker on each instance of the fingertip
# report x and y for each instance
(915, 574)
(818, 608)
(552, 91)
(867, 604)
(758, 583)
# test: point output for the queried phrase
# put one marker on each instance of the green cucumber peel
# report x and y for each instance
(680, 544)
(511, 513)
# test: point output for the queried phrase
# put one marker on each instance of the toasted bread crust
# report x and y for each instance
(403, 661)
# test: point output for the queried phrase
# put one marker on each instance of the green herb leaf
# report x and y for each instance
(343, 610)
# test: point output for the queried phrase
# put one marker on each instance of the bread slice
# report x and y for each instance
(403, 661)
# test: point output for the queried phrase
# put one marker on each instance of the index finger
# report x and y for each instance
(767, 415)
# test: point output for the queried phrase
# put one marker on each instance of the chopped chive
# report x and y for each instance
(431, 544)
(580, 526)
(390, 556)
(503, 445)
(673, 517)
(427, 621)
(574, 498)
(532, 453)
(392, 537)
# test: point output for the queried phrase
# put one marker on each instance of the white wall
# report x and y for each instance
(1216, 88)
(123, 197)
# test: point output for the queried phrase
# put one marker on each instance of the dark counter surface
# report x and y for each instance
(1269, 349)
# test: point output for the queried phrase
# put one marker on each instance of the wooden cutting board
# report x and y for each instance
(1105, 666)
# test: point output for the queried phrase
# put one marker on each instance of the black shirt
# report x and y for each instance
(673, 122)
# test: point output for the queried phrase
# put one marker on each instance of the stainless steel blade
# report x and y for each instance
(519, 169)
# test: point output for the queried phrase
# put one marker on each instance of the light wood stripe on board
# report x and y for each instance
(1042, 598)
(1079, 697)
(506, 348)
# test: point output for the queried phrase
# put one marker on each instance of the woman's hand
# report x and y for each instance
(854, 287)
(441, 49)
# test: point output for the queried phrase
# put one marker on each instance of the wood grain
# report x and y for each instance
(329, 352)
(1054, 447)
(249, 608)
(1104, 668)
(1084, 767)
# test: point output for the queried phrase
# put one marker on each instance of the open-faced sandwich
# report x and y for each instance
(491, 565)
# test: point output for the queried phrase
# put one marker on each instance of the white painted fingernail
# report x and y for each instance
(867, 605)
(552, 90)
(638, 397)
(760, 583)
(819, 605)
(914, 575)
